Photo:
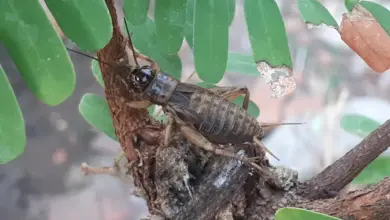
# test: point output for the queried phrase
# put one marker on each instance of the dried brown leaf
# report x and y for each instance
(363, 34)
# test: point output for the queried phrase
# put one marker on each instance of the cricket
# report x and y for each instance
(205, 117)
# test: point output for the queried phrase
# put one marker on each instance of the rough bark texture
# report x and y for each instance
(184, 182)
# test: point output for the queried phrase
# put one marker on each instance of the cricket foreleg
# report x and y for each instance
(199, 140)
(139, 104)
(260, 144)
(230, 93)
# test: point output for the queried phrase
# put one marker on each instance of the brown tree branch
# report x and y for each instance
(184, 182)
(372, 202)
(336, 176)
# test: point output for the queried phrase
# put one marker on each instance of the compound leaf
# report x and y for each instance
(380, 13)
(314, 13)
(12, 130)
(37, 50)
(144, 39)
(169, 17)
(86, 22)
(301, 214)
(358, 124)
(211, 27)
(97, 73)
(242, 63)
(374, 172)
(95, 111)
(267, 33)
(136, 11)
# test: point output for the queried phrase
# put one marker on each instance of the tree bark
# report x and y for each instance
(184, 182)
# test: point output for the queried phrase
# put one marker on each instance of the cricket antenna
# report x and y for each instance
(89, 56)
(131, 43)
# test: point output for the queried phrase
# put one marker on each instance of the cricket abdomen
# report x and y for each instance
(222, 121)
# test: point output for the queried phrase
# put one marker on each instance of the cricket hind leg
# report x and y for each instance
(233, 92)
(262, 146)
(200, 141)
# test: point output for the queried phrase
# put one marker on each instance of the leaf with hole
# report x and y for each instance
(86, 22)
(97, 73)
(367, 37)
(349, 4)
(358, 124)
(301, 214)
(169, 17)
(136, 11)
(211, 29)
(12, 130)
(95, 111)
(267, 33)
(270, 46)
(314, 13)
(37, 50)
(380, 13)
(376, 171)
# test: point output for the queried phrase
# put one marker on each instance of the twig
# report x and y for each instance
(336, 176)
(97, 170)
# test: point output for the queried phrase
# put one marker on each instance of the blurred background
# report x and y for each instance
(46, 181)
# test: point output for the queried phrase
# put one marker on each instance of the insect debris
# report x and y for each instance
(206, 117)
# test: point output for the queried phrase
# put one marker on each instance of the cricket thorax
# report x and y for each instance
(161, 89)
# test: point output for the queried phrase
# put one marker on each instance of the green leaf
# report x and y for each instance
(95, 111)
(206, 85)
(301, 214)
(97, 73)
(211, 27)
(170, 16)
(267, 33)
(136, 11)
(37, 50)
(315, 13)
(242, 63)
(232, 10)
(380, 13)
(349, 4)
(374, 172)
(253, 109)
(86, 22)
(12, 130)
(144, 39)
(151, 109)
(189, 24)
(358, 124)
(170, 64)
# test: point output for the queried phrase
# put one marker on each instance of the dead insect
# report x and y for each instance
(206, 117)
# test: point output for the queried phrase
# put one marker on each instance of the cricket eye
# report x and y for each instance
(144, 75)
